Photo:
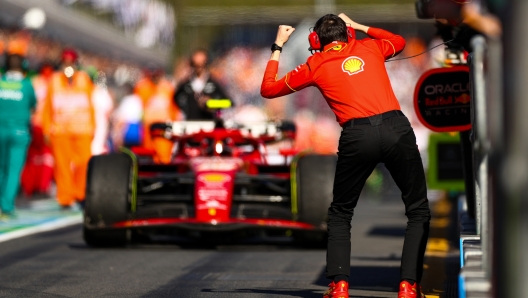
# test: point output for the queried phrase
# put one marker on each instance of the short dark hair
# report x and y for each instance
(14, 62)
(331, 28)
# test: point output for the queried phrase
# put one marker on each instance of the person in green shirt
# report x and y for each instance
(17, 102)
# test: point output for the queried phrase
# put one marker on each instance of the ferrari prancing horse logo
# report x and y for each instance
(353, 65)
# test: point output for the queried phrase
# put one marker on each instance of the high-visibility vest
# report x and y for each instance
(68, 108)
(40, 84)
(160, 106)
(145, 89)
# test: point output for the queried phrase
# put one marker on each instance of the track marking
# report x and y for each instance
(45, 227)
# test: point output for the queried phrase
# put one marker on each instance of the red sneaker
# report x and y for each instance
(337, 290)
(410, 291)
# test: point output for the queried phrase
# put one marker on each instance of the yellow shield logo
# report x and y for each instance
(353, 65)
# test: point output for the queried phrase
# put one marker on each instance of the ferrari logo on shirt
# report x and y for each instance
(353, 65)
(336, 48)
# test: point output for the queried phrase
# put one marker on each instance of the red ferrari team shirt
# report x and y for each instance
(351, 76)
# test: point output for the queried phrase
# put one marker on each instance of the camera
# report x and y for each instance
(439, 9)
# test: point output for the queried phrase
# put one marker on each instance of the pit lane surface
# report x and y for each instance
(59, 264)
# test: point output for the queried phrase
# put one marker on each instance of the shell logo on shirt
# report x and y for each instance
(353, 65)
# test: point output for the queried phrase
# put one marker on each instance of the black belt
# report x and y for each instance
(366, 120)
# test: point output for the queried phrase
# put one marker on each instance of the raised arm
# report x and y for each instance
(353, 24)
(390, 44)
(283, 34)
(271, 87)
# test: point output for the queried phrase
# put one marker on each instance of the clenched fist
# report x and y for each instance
(283, 34)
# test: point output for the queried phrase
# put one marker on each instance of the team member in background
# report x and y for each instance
(38, 171)
(156, 92)
(351, 76)
(146, 87)
(68, 124)
(192, 94)
(159, 108)
(17, 101)
(103, 104)
(127, 121)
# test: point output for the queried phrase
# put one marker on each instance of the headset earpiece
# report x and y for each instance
(315, 43)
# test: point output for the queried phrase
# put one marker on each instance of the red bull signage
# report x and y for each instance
(442, 99)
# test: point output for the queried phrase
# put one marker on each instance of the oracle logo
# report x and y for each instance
(447, 88)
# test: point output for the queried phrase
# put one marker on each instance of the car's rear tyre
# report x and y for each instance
(108, 199)
(314, 181)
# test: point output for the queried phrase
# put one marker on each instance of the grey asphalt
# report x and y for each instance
(59, 264)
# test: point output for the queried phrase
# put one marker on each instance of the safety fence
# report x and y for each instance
(476, 238)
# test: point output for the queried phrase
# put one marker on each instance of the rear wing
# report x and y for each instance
(178, 129)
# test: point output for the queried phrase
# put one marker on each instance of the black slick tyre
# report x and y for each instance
(108, 199)
(314, 181)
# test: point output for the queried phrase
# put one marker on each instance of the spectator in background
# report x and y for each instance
(38, 171)
(17, 101)
(192, 94)
(68, 124)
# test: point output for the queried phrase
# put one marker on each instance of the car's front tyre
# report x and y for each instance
(108, 199)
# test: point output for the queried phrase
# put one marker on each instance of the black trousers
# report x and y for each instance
(361, 148)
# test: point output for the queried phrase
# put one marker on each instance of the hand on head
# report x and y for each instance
(347, 20)
(353, 24)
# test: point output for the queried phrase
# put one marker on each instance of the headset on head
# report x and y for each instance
(315, 43)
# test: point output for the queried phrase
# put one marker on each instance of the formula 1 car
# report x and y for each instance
(218, 180)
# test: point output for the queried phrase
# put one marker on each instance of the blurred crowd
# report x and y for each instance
(81, 104)
(149, 22)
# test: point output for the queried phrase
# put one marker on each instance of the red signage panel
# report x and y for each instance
(442, 99)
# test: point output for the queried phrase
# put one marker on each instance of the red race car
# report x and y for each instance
(220, 179)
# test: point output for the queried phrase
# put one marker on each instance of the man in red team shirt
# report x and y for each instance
(353, 80)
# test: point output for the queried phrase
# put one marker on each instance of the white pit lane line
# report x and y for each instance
(44, 227)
